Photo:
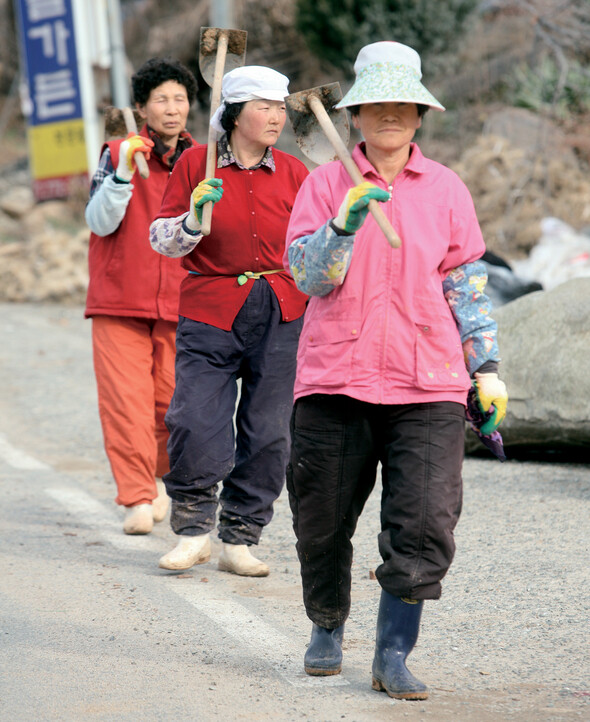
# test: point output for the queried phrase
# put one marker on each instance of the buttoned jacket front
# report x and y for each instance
(248, 230)
(387, 334)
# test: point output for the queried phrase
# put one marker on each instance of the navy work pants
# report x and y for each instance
(336, 445)
(203, 447)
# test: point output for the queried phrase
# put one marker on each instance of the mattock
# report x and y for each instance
(220, 51)
(311, 108)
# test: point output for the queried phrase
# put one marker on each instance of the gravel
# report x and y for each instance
(507, 640)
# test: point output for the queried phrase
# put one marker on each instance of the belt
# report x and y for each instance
(247, 275)
(244, 277)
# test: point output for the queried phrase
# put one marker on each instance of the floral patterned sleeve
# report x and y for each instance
(464, 290)
(319, 262)
(170, 237)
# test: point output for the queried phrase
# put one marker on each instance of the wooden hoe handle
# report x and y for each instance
(139, 158)
(212, 137)
(317, 107)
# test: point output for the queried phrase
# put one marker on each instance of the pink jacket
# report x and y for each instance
(381, 329)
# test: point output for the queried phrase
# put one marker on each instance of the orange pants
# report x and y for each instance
(134, 367)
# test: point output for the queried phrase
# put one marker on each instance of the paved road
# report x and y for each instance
(93, 630)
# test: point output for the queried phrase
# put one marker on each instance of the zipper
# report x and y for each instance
(385, 335)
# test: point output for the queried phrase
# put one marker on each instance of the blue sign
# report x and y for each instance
(49, 54)
(56, 134)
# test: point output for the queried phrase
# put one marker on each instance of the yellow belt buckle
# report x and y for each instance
(244, 277)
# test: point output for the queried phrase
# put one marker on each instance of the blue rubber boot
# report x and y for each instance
(324, 654)
(397, 631)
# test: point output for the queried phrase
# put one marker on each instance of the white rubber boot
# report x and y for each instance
(189, 551)
(161, 503)
(237, 559)
(138, 519)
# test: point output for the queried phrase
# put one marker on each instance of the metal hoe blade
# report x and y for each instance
(114, 122)
(209, 42)
(308, 133)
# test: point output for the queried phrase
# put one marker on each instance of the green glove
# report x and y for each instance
(490, 390)
(355, 206)
(207, 190)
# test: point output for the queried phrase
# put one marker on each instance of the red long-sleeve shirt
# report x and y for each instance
(248, 233)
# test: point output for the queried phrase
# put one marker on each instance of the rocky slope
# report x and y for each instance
(520, 165)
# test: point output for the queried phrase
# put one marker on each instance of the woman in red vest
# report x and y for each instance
(133, 292)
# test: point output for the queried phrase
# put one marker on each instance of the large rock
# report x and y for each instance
(17, 202)
(544, 340)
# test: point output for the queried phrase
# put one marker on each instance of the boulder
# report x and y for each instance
(10, 228)
(17, 202)
(544, 340)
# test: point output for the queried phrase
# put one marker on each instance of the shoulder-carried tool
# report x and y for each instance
(139, 158)
(220, 51)
(314, 118)
(118, 123)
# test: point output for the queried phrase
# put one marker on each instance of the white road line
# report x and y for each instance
(19, 459)
(236, 619)
(265, 640)
(108, 524)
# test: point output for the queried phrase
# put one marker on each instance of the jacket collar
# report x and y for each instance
(164, 152)
(225, 156)
(415, 164)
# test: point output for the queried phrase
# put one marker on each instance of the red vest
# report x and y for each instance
(128, 278)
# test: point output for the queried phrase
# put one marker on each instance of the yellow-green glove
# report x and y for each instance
(355, 206)
(491, 391)
(129, 147)
(208, 189)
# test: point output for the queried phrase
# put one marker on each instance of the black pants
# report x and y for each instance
(336, 444)
(203, 448)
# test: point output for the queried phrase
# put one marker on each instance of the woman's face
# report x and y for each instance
(166, 111)
(260, 123)
(387, 127)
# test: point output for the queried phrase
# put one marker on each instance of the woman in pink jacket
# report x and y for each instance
(391, 340)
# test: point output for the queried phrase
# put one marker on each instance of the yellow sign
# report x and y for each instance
(57, 149)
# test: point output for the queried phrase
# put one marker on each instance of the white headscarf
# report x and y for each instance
(251, 82)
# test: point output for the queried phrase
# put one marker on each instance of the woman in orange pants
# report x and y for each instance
(134, 367)
(133, 292)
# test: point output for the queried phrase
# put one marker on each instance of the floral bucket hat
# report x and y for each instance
(388, 72)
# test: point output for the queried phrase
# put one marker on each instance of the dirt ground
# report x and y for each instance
(93, 630)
